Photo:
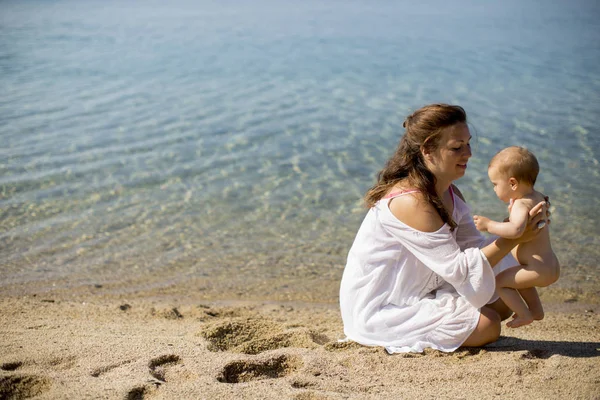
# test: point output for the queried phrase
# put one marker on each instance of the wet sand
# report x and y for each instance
(90, 342)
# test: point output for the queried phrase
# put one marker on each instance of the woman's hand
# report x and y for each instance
(538, 219)
(495, 251)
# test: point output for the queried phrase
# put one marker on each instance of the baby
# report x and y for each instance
(513, 172)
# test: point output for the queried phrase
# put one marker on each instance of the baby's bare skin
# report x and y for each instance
(538, 267)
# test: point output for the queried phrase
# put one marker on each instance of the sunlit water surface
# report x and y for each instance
(236, 139)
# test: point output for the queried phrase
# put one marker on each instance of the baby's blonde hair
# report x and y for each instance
(516, 162)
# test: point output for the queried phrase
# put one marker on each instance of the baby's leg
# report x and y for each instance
(513, 300)
(506, 283)
(522, 277)
(532, 299)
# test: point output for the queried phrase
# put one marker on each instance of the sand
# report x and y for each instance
(90, 343)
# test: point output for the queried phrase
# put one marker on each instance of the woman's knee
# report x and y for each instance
(493, 323)
(487, 330)
(502, 309)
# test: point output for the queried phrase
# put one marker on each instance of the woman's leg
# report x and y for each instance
(501, 308)
(487, 330)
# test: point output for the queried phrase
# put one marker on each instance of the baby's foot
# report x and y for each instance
(519, 321)
(537, 315)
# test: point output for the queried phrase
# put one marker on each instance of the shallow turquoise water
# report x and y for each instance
(194, 137)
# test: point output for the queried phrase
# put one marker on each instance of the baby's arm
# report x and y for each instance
(513, 228)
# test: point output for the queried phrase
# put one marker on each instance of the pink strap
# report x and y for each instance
(396, 194)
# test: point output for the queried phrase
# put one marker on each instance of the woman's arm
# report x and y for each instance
(422, 232)
(415, 212)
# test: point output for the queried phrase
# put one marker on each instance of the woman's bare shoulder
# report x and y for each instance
(413, 210)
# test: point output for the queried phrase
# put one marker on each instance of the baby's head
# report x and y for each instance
(513, 172)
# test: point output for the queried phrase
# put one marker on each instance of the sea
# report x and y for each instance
(234, 140)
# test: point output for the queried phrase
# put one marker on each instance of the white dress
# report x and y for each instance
(407, 290)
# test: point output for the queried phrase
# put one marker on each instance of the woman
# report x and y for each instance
(419, 274)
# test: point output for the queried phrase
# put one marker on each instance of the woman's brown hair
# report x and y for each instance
(422, 133)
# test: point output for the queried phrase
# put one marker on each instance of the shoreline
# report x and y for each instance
(90, 343)
(310, 290)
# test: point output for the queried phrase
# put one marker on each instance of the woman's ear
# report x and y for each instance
(427, 157)
(514, 184)
(425, 152)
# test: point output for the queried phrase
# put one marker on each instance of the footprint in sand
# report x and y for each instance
(158, 370)
(158, 366)
(21, 386)
(107, 368)
(254, 335)
(137, 393)
(252, 370)
(11, 366)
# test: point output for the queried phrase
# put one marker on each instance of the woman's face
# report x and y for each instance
(449, 161)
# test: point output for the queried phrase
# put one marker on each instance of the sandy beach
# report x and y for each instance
(91, 343)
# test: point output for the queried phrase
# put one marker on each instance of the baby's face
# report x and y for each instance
(501, 184)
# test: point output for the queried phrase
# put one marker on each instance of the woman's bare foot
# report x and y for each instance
(519, 321)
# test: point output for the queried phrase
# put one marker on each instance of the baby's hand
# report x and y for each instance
(481, 223)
